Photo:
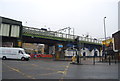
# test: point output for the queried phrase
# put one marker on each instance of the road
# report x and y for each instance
(49, 69)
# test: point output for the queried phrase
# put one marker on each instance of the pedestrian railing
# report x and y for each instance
(36, 31)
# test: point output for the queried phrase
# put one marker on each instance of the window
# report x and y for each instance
(4, 29)
(20, 52)
(15, 30)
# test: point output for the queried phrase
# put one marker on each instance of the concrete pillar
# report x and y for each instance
(51, 49)
(46, 49)
(59, 51)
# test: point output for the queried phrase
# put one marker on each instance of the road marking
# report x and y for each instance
(62, 72)
(65, 71)
(17, 70)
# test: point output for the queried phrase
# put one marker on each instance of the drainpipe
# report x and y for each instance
(114, 45)
(114, 48)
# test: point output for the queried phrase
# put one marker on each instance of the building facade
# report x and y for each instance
(116, 37)
(10, 32)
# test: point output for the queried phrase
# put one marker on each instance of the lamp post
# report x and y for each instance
(104, 29)
(105, 38)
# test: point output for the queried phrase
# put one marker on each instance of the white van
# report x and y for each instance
(13, 53)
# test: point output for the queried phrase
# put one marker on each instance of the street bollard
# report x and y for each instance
(77, 59)
(93, 60)
(95, 54)
(109, 60)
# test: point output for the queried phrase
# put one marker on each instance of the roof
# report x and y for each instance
(12, 48)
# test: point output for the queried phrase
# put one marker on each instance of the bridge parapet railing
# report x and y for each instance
(36, 31)
(89, 40)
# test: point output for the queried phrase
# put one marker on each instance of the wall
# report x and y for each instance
(119, 24)
(116, 37)
(87, 52)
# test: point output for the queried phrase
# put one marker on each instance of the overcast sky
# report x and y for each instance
(85, 16)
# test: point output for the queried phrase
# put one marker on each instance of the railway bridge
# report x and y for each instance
(13, 33)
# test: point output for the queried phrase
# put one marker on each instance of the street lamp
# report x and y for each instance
(104, 29)
(105, 38)
(105, 41)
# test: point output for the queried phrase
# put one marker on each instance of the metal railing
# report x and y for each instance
(36, 31)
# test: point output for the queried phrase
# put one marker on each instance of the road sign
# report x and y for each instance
(60, 46)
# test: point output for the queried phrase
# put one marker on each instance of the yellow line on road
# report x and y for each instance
(65, 71)
(62, 72)
(17, 70)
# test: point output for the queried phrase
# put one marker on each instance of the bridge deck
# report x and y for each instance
(35, 32)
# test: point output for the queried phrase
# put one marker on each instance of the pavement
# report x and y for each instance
(50, 69)
(0, 70)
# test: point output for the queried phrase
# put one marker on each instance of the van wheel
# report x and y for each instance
(4, 58)
(27, 59)
(22, 58)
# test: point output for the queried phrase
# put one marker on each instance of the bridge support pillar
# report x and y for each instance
(19, 43)
(52, 49)
(49, 49)
(46, 49)
(59, 53)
